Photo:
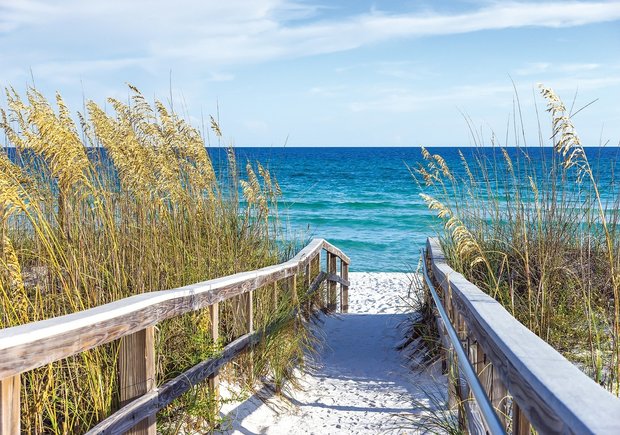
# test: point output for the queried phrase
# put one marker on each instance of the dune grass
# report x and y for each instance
(121, 203)
(541, 236)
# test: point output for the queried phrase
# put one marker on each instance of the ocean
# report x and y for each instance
(365, 201)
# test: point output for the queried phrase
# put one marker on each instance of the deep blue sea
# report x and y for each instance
(365, 201)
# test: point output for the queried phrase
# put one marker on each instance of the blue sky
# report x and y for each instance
(330, 73)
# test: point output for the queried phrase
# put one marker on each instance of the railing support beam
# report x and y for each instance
(520, 425)
(331, 285)
(344, 290)
(9, 405)
(293, 284)
(137, 373)
(214, 314)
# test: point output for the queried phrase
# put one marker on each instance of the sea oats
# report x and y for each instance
(215, 127)
(472, 179)
(443, 166)
(13, 271)
(53, 137)
(566, 140)
(508, 160)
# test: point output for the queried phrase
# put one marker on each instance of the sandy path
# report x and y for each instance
(360, 380)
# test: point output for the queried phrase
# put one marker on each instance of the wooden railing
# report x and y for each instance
(529, 384)
(26, 347)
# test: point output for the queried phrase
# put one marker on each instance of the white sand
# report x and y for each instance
(360, 381)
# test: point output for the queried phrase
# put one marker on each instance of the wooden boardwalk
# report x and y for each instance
(360, 383)
(506, 379)
(26, 347)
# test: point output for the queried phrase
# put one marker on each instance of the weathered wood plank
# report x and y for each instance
(344, 289)
(554, 395)
(151, 402)
(249, 310)
(307, 282)
(317, 282)
(331, 284)
(9, 405)
(214, 382)
(33, 345)
(293, 288)
(307, 276)
(520, 425)
(136, 362)
(337, 279)
(335, 251)
(499, 397)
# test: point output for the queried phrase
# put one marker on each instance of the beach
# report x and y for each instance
(358, 382)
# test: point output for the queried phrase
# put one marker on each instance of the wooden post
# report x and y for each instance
(307, 282)
(276, 297)
(452, 380)
(485, 372)
(136, 362)
(9, 405)
(293, 285)
(499, 396)
(325, 289)
(249, 310)
(317, 264)
(459, 385)
(315, 273)
(331, 285)
(520, 425)
(214, 313)
(344, 291)
(249, 319)
(447, 301)
(308, 278)
(479, 361)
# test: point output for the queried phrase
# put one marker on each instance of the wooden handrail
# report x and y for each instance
(547, 390)
(26, 347)
(163, 395)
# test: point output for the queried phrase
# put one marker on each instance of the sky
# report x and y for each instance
(329, 73)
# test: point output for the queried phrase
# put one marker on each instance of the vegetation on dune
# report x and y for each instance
(542, 237)
(118, 204)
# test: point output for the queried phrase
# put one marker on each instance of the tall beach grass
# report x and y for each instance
(122, 202)
(538, 231)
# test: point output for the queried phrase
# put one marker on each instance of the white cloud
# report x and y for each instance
(403, 100)
(215, 76)
(406, 99)
(537, 68)
(81, 67)
(534, 68)
(106, 43)
(328, 91)
(219, 35)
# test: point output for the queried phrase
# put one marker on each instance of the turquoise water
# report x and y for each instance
(364, 200)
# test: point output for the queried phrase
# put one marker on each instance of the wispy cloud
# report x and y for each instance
(406, 100)
(264, 38)
(537, 68)
(218, 35)
(328, 91)
(239, 51)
